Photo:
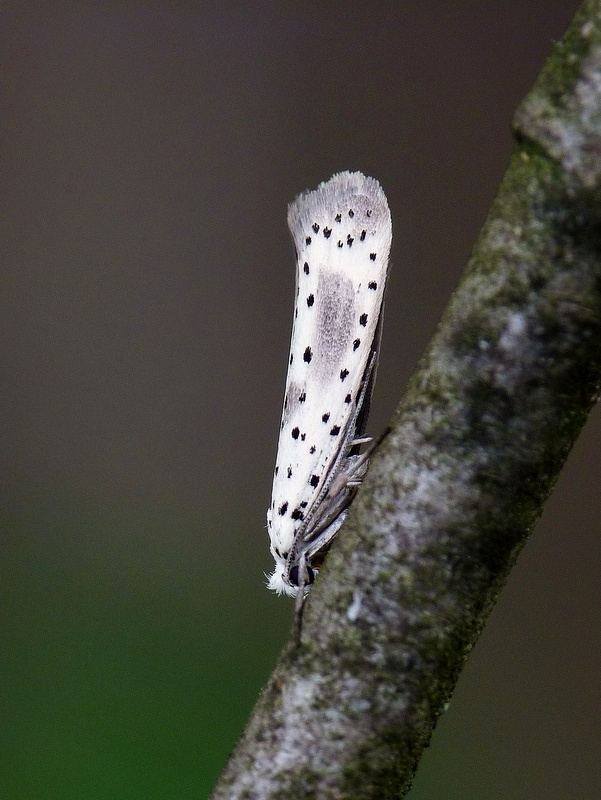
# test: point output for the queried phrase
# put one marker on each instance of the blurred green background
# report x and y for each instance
(147, 283)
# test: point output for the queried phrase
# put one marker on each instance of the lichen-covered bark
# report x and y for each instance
(453, 492)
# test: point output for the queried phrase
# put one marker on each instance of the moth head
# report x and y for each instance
(294, 575)
(277, 583)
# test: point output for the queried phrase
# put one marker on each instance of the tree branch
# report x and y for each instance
(452, 494)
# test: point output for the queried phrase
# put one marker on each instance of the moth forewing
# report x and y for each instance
(342, 235)
(345, 470)
(330, 509)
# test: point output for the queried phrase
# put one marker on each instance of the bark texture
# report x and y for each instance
(457, 485)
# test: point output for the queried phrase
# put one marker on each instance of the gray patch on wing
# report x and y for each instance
(367, 214)
(292, 401)
(335, 314)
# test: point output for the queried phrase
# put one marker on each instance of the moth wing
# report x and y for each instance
(342, 234)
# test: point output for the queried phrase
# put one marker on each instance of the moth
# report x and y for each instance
(342, 233)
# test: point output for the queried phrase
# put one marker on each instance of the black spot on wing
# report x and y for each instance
(363, 320)
(372, 285)
(282, 509)
(295, 433)
(315, 227)
(307, 355)
(310, 300)
(289, 472)
(302, 397)
(349, 240)
(314, 480)
(356, 343)
(338, 217)
(297, 514)
(372, 256)
(362, 237)
(306, 268)
(308, 240)
(325, 417)
(335, 430)
(347, 399)
(327, 232)
(343, 374)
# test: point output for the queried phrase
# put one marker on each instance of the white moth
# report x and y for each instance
(342, 233)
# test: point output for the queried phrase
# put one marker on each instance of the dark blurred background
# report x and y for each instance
(147, 287)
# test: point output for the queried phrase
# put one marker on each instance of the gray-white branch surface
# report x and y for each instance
(457, 485)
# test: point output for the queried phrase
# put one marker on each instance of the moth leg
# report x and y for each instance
(299, 605)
